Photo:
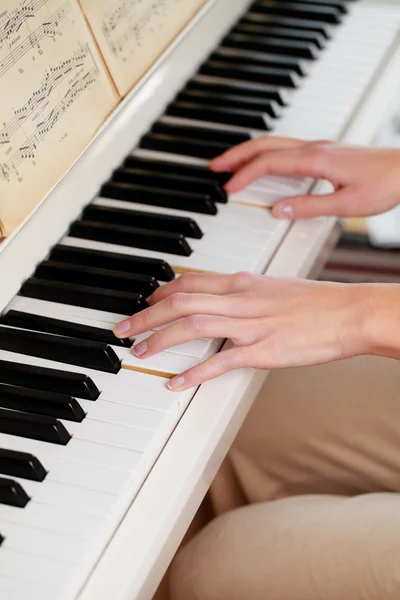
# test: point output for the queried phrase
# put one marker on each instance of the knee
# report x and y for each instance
(200, 570)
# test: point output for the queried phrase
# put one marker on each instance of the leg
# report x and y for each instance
(332, 429)
(303, 548)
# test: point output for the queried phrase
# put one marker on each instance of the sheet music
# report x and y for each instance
(133, 33)
(55, 93)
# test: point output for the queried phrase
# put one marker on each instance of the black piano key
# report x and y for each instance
(286, 33)
(121, 235)
(82, 353)
(177, 145)
(171, 182)
(210, 134)
(258, 57)
(41, 378)
(176, 168)
(144, 285)
(289, 22)
(218, 114)
(273, 45)
(34, 427)
(20, 464)
(269, 107)
(299, 10)
(14, 318)
(254, 73)
(12, 493)
(254, 90)
(113, 261)
(159, 222)
(197, 203)
(1, 539)
(59, 406)
(124, 303)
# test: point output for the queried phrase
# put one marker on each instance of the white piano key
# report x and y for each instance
(80, 474)
(164, 362)
(90, 453)
(35, 569)
(246, 219)
(15, 589)
(120, 414)
(212, 125)
(222, 247)
(52, 309)
(83, 475)
(188, 160)
(69, 522)
(69, 496)
(197, 261)
(108, 434)
(40, 543)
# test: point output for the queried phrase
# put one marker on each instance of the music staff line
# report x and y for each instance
(46, 29)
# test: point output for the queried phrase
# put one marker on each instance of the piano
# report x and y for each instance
(101, 468)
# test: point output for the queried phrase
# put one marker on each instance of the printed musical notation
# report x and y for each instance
(41, 113)
(133, 33)
(56, 92)
(47, 29)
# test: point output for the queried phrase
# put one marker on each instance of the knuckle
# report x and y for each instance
(176, 301)
(140, 319)
(194, 324)
(270, 353)
(242, 280)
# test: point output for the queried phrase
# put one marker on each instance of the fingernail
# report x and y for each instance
(122, 328)
(176, 383)
(140, 349)
(283, 211)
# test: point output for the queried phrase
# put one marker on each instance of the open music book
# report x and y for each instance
(64, 66)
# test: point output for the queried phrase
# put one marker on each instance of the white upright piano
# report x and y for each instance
(101, 468)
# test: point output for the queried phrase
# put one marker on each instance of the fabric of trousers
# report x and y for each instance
(306, 505)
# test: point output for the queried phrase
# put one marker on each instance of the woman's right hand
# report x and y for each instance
(366, 181)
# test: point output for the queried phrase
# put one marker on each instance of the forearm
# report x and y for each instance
(382, 320)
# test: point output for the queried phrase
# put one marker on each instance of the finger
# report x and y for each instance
(232, 159)
(195, 327)
(338, 204)
(176, 307)
(201, 283)
(217, 365)
(306, 161)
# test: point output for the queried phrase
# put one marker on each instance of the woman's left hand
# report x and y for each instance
(274, 323)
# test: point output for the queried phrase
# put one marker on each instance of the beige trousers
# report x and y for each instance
(307, 504)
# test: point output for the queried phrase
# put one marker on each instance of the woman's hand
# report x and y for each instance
(366, 180)
(273, 323)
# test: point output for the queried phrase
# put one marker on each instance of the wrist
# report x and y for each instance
(381, 327)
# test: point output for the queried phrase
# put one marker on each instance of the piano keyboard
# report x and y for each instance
(82, 421)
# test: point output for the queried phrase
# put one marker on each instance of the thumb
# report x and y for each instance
(337, 204)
